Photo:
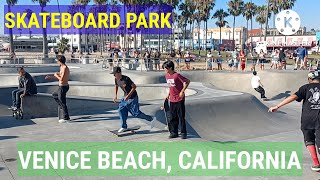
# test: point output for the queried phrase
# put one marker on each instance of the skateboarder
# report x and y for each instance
(177, 84)
(27, 86)
(257, 85)
(310, 118)
(130, 101)
(60, 95)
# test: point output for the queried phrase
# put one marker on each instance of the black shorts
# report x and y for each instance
(310, 136)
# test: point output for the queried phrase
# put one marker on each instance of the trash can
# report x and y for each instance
(85, 60)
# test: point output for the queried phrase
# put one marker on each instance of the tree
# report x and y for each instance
(11, 3)
(220, 15)
(43, 4)
(235, 9)
(205, 6)
(249, 12)
(83, 3)
(29, 13)
(63, 45)
(261, 18)
(101, 38)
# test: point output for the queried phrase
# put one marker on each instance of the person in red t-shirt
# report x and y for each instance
(177, 84)
(242, 60)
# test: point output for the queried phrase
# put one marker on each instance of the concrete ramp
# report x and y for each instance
(232, 118)
(235, 118)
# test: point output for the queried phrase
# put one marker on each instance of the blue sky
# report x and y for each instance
(307, 11)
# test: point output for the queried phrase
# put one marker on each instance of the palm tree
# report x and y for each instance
(11, 3)
(29, 13)
(43, 3)
(261, 18)
(220, 15)
(248, 13)
(84, 3)
(205, 9)
(235, 9)
(101, 2)
(63, 45)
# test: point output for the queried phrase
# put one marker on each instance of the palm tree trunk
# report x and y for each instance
(260, 32)
(220, 41)
(251, 36)
(266, 26)
(11, 34)
(184, 36)
(247, 36)
(205, 38)
(234, 25)
(274, 22)
(192, 35)
(199, 37)
(45, 41)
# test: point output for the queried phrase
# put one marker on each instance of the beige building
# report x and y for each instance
(226, 33)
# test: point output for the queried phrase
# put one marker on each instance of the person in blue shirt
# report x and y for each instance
(302, 57)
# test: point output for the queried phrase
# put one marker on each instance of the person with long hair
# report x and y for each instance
(242, 57)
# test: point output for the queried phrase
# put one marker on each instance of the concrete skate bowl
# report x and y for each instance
(231, 118)
(82, 99)
(9, 75)
(145, 92)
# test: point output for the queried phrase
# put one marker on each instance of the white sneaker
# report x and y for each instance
(315, 168)
(153, 122)
(166, 128)
(122, 130)
(63, 121)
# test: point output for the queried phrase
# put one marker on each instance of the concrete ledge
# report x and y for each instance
(5, 69)
(43, 105)
(44, 61)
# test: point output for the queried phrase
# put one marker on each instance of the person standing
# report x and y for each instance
(177, 87)
(235, 57)
(209, 61)
(27, 86)
(60, 94)
(219, 61)
(262, 59)
(282, 59)
(242, 57)
(257, 85)
(309, 94)
(254, 57)
(130, 101)
(302, 56)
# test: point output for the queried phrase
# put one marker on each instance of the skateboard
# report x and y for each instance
(166, 110)
(18, 114)
(131, 130)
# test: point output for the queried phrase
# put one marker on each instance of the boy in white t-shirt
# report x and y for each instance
(257, 85)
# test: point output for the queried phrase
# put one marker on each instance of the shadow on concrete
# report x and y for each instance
(281, 95)
(9, 122)
(2, 168)
(93, 119)
(7, 137)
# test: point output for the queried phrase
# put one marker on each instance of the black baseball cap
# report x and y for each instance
(116, 70)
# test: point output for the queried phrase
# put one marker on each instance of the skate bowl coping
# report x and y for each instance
(145, 92)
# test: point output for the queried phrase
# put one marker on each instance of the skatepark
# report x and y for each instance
(220, 106)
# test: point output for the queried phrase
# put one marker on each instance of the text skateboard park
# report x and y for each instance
(124, 90)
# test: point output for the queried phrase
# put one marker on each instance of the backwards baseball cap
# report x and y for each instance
(116, 70)
(313, 75)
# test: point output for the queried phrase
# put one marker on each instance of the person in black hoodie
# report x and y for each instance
(27, 86)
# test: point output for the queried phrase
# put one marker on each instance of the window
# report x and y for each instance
(195, 34)
(155, 43)
(145, 42)
(75, 39)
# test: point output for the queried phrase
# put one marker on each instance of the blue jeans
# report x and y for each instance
(132, 106)
(16, 100)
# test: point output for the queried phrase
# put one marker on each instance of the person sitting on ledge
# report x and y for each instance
(27, 86)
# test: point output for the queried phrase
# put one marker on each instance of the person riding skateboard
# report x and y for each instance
(60, 94)
(130, 101)
(257, 85)
(310, 117)
(177, 87)
(27, 86)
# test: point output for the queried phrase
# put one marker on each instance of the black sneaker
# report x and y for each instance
(173, 136)
(315, 168)
(183, 136)
(67, 118)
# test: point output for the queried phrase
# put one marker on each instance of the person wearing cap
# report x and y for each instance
(130, 101)
(310, 117)
(27, 86)
(177, 87)
(60, 94)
